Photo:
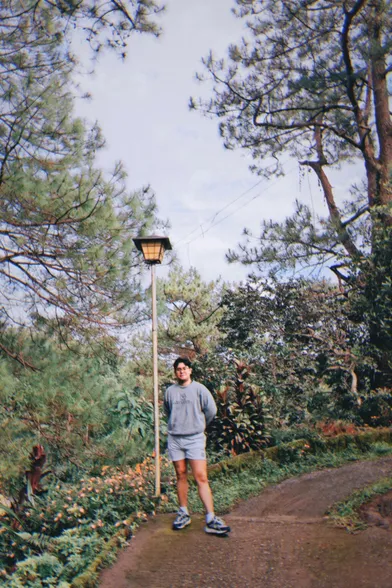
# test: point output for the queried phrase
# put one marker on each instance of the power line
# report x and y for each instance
(204, 231)
(211, 220)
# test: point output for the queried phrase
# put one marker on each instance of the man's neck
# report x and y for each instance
(184, 384)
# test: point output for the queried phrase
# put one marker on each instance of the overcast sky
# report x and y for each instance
(207, 193)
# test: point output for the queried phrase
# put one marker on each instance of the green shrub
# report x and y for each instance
(242, 418)
(37, 571)
(73, 522)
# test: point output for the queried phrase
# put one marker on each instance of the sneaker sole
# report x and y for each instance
(175, 528)
(216, 532)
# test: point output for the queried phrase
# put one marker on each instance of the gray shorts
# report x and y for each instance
(186, 446)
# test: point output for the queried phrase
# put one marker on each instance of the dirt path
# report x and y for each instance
(279, 539)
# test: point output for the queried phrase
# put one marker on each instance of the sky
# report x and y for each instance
(207, 193)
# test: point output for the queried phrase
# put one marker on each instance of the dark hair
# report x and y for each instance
(183, 360)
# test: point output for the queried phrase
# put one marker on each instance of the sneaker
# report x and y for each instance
(182, 520)
(217, 527)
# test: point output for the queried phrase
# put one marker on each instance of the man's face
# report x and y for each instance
(183, 373)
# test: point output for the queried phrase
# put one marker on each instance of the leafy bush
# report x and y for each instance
(309, 348)
(35, 571)
(376, 410)
(85, 409)
(241, 423)
(73, 522)
(136, 414)
(287, 434)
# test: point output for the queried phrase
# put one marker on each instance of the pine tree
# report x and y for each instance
(310, 79)
(65, 226)
(191, 311)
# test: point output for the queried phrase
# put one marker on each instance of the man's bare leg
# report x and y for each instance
(199, 471)
(182, 481)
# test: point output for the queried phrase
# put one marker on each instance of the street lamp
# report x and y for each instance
(153, 249)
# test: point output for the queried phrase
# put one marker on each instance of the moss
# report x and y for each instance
(280, 453)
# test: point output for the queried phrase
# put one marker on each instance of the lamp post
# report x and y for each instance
(153, 249)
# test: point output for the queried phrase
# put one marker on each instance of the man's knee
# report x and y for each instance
(181, 473)
(201, 478)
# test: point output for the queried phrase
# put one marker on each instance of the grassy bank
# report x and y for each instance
(346, 513)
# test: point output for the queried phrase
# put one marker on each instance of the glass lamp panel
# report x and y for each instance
(153, 251)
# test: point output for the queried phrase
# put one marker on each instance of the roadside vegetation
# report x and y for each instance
(347, 514)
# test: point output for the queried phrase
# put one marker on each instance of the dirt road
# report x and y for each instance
(279, 539)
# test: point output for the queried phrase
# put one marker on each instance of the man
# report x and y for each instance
(190, 408)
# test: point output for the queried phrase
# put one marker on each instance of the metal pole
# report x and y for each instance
(155, 376)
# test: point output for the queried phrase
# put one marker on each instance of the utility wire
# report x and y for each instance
(238, 208)
(211, 220)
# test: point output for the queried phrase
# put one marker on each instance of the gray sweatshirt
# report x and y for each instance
(189, 408)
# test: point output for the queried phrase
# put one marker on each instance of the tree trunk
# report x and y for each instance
(381, 108)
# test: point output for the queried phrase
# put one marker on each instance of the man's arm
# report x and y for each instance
(166, 406)
(208, 405)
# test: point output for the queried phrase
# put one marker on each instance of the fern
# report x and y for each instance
(36, 541)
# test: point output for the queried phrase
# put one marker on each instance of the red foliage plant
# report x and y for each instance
(334, 428)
